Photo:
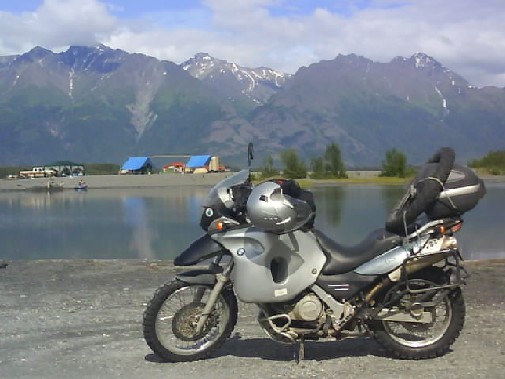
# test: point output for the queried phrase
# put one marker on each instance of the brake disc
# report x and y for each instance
(185, 321)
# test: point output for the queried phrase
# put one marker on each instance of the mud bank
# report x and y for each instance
(115, 181)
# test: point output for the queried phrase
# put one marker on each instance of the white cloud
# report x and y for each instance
(465, 36)
(57, 23)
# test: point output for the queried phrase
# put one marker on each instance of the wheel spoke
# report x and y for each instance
(442, 312)
(177, 320)
(171, 319)
(420, 335)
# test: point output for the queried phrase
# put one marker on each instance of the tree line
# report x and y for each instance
(493, 162)
(330, 165)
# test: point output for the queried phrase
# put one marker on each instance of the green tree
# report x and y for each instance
(318, 169)
(268, 170)
(294, 167)
(330, 165)
(493, 162)
(395, 164)
(334, 164)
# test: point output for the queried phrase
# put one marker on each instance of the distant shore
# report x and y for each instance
(114, 181)
(169, 180)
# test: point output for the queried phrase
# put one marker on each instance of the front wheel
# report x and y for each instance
(171, 317)
(407, 340)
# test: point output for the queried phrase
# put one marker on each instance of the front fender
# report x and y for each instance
(206, 277)
(203, 248)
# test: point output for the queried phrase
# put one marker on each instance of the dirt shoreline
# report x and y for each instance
(115, 181)
(82, 319)
(166, 180)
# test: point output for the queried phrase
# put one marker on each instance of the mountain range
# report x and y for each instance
(97, 104)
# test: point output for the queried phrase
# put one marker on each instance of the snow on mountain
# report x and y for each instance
(257, 83)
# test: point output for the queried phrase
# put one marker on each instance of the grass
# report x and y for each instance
(377, 180)
(305, 183)
(497, 171)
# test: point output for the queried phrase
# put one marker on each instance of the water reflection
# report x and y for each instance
(360, 210)
(329, 203)
(142, 234)
(366, 209)
(145, 224)
(483, 231)
(159, 223)
(391, 195)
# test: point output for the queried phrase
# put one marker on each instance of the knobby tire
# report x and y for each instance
(439, 347)
(151, 313)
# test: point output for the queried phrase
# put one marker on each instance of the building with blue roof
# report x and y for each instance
(137, 165)
(198, 161)
(203, 164)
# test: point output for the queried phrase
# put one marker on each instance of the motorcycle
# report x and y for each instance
(402, 284)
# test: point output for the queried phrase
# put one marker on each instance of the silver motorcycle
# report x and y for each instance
(401, 285)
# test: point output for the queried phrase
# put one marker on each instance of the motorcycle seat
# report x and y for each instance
(342, 259)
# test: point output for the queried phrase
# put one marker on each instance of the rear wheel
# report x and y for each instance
(446, 309)
(171, 317)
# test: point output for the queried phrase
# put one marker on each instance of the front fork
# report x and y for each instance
(221, 280)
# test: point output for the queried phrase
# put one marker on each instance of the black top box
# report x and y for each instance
(462, 191)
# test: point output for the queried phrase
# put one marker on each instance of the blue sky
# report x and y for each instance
(464, 35)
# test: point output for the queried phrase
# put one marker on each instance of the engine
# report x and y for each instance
(309, 308)
(284, 322)
(306, 308)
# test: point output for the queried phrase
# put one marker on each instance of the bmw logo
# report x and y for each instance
(209, 212)
(240, 251)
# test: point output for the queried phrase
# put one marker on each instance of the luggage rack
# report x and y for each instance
(458, 274)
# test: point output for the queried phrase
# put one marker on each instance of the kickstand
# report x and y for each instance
(299, 351)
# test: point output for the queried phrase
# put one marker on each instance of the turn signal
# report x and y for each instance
(220, 226)
(442, 229)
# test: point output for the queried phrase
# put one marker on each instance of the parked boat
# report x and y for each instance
(81, 186)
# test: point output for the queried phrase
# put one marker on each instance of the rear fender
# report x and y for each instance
(201, 249)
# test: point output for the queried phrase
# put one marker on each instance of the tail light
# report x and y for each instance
(452, 229)
(457, 227)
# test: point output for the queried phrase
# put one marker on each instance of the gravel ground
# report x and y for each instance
(82, 319)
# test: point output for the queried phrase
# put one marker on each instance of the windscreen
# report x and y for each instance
(219, 194)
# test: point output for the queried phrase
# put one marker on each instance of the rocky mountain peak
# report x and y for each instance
(34, 55)
(421, 60)
(257, 83)
(99, 58)
(202, 64)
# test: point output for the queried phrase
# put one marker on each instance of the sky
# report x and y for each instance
(466, 36)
